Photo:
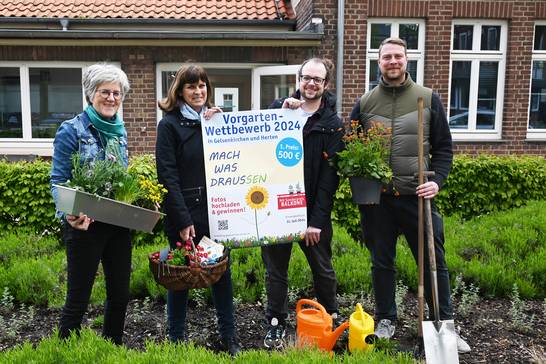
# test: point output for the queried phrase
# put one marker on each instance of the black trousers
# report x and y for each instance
(276, 259)
(382, 224)
(110, 245)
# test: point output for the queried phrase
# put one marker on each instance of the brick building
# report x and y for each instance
(485, 58)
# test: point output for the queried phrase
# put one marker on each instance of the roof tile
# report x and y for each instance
(149, 9)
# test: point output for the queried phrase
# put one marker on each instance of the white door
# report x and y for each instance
(270, 83)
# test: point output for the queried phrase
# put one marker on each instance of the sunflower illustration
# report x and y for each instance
(256, 199)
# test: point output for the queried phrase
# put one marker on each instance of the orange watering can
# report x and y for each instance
(361, 330)
(314, 326)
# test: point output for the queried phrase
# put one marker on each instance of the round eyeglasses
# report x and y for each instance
(106, 94)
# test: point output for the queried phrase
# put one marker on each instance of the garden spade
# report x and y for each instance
(439, 337)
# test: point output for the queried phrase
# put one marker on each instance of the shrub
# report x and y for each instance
(483, 184)
(475, 186)
(26, 200)
(24, 243)
(35, 280)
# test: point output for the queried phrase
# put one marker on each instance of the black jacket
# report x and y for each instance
(322, 139)
(181, 169)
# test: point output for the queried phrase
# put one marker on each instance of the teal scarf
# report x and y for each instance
(108, 129)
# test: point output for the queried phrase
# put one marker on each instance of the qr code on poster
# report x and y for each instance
(223, 225)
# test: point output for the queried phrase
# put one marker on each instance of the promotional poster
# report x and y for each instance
(254, 170)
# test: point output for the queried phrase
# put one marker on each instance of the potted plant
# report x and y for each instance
(105, 191)
(365, 160)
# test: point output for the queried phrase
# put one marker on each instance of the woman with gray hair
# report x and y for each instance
(97, 133)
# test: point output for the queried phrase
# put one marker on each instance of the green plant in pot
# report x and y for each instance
(365, 159)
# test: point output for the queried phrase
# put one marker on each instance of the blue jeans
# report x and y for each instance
(222, 298)
(382, 224)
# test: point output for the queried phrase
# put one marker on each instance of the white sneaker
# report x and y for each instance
(462, 346)
(385, 329)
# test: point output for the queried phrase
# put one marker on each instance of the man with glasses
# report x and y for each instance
(322, 139)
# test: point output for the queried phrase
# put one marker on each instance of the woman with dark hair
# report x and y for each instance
(97, 133)
(181, 169)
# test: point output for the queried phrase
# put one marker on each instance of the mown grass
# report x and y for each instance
(90, 348)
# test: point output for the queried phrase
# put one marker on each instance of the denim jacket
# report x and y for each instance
(77, 135)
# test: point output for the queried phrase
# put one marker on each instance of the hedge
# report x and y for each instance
(476, 186)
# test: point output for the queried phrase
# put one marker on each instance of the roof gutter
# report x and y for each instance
(157, 38)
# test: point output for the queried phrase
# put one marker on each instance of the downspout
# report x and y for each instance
(339, 68)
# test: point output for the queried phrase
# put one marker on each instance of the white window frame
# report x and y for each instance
(372, 54)
(538, 55)
(27, 144)
(475, 56)
(257, 69)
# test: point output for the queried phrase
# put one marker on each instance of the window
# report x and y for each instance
(411, 30)
(35, 98)
(478, 59)
(537, 103)
(245, 86)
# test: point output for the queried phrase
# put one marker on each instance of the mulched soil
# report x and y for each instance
(488, 329)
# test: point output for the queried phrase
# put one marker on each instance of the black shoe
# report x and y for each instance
(274, 339)
(232, 345)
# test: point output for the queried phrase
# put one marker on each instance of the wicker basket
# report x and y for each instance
(177, 278)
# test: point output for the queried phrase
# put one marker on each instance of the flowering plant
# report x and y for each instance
(109, 178)
(366, 152)
(185, 254)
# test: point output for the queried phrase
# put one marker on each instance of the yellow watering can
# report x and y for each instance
(314, 326)
(361, 330)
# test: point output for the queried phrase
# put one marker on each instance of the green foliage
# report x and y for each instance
(475, 186)
(25, 197)
(99, 177)
(497, 250)
(519, 318)
(511, 242)
(465, 297)
(24, 243)
(483, 184)
(143, 167)
(34, 280)
(345, 212)
(247, 274)
(90, 348)
(351, 263)
(366, 152)
(142, 282)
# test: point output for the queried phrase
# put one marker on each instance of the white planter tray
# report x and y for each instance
(106, 210)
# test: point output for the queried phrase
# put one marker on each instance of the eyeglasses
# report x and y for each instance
(316, 80)
(106, 94)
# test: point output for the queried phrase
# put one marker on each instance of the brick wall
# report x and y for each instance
(439, 14)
